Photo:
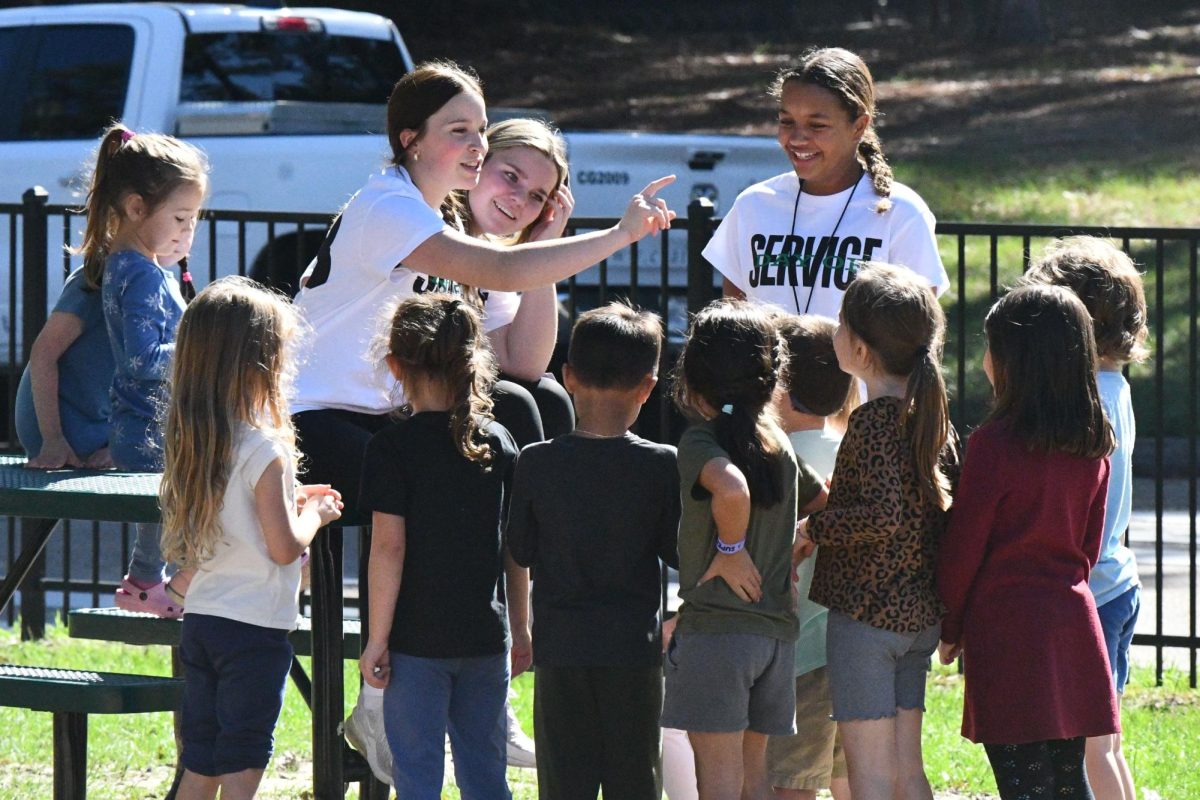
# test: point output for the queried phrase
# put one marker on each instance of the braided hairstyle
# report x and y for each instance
(439, 339)
(731, 361)
(846, 75)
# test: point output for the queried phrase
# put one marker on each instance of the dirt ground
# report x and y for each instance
(1131, 95)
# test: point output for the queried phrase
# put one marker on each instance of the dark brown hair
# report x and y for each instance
(1043, 363)
(419, 94)
(896, 315)
(815, 382)
(1109, 285)
(846, 75)
(732, 359)
(615, 346)
(439, 338)
(151, 165)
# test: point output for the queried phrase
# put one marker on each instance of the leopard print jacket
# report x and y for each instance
(878, 537)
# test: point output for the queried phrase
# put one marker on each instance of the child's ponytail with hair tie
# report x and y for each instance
(186, 287)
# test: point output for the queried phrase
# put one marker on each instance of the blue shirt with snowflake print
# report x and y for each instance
(142, 307)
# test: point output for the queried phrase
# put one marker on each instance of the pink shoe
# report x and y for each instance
(153, 600)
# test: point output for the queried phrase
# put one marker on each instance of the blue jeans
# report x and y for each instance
(424, 698)
(136, 444)
(1118, 618)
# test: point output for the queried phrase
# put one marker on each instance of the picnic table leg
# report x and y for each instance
(328, 699)
(70, 756)
(33, 542)
(33, 595)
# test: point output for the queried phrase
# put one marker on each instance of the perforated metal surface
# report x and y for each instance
(83, 692)
(77, 494)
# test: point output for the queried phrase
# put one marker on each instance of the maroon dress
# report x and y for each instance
(1025, 531)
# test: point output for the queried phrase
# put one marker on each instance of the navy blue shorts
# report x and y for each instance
(234, 677)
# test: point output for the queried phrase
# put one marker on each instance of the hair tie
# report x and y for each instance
(126, 135)
(185, 276)
(923, 351)
(727, 408)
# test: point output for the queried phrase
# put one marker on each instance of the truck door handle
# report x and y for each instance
(705, 159)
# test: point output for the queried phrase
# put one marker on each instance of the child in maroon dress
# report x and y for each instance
(1025, 531)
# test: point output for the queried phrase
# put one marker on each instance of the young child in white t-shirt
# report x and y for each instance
(232, 512)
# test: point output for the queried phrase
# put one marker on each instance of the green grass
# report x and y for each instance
(986, 189)
(133, 756)
(1084, 193)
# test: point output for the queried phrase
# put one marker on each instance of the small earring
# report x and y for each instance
(416, 154)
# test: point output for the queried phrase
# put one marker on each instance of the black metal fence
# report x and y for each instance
(669, 275)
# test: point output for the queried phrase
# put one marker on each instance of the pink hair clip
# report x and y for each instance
(126, 136)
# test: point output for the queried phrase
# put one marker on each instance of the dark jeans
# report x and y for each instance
(1043, 770)
(597, 728)
(234, 676)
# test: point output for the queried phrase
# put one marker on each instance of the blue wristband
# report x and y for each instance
(730, 549)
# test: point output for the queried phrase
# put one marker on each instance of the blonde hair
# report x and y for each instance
(234, 364)
(537, 135)
(438, 339)
(896, 315)
(1109, 285)
(846, 75)
(152, 165)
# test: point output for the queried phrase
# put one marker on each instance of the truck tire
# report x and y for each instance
(279, 265)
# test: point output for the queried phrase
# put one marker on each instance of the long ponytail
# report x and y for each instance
(897, 316)
(439, 338)
(101, 206)
(151, 165)
(731, 360)
(927, 425)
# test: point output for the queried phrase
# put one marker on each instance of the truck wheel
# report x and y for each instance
(279, 265)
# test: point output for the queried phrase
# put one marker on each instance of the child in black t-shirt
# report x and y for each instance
(437, 484)
(594, 512)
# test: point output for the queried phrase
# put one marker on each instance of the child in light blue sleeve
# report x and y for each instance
(144, 200)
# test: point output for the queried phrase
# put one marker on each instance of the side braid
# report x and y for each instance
(877, 167)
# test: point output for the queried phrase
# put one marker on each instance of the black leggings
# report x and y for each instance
(333, 443)
(1047, 770)
(533, 411)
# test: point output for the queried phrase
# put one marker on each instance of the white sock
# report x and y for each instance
(371, 698)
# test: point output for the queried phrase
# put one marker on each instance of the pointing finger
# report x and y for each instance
(653, 187)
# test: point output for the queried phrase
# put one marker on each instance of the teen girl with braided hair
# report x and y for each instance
(797, 240)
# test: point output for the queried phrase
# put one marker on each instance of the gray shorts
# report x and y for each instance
(873, 672)
(730, 682)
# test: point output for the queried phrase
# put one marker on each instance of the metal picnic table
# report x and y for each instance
(45, 497)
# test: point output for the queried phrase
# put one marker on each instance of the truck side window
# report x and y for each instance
(303, 67)
(77, 83)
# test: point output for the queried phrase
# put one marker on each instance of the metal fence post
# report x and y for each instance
(34, 272)
(699, 231)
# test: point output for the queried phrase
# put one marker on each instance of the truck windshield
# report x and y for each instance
(302, 67)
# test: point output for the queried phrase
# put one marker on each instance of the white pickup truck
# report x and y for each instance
(289, 106)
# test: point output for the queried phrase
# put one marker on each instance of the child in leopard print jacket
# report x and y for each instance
(878, 536)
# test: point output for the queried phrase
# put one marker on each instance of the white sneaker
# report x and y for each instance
(364, 730)
(520, 746)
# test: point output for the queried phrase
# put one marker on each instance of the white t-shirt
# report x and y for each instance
(499, 309)
(804, 270)
(241, 582)
(351, 286)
